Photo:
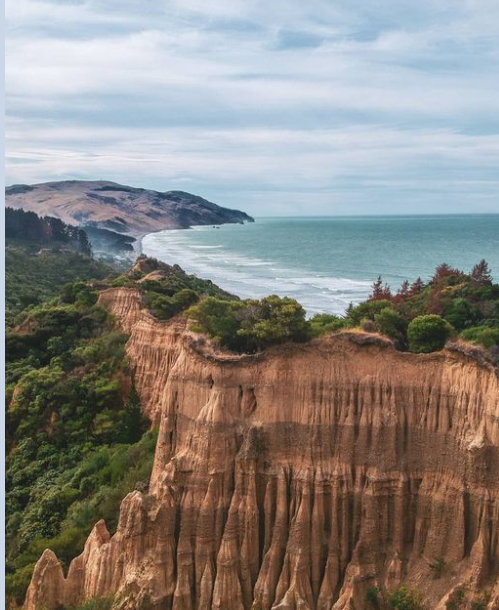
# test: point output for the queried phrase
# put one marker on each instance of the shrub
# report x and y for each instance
(438, 567)
(253, 325)
(219, 319)
(461, 313)
(366, 310)
(96, 603)
(324, 323)
(482, 335)
(165, 307)
(428, 333)
(372, 598)
(403, 599)
(390, 323)
(271, 321)
(456, 599)
(17, 583)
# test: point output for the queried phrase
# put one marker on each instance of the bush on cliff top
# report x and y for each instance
(253, 325)
(428, 333)
(453, 300)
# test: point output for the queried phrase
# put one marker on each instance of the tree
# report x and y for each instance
(249, 326)
(480, 274)
(390, 323)
(366, 310)
(428, 333)
(403, 292)
(417, 286)
(133, 424)
(380, 291)
(461, 313)
(271, 321)
(219, 319)
(445, 271)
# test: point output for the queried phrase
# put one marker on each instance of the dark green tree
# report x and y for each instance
(133, 424)
(428, 333)
(390, 323)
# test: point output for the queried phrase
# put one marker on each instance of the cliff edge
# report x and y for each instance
(298, 478)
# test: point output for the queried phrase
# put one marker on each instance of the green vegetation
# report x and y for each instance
(27, 226)
(456, 599)
(404, 598)
(97, 603)
(420, 317)
(32, 278)
(152, 276)
(428, 333)
(76, 439)
(41, 255)
(253, 325)
(165, 307)
(77, 442)
(399, 599)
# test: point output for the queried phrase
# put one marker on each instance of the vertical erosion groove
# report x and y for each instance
(357, 468)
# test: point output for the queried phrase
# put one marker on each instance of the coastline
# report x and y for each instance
(137, 245)
(325, 264)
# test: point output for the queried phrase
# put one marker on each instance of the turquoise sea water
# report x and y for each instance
(326, 263)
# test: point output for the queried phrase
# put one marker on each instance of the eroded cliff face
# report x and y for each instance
(297, 479)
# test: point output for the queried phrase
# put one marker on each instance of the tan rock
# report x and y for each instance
(297, 478)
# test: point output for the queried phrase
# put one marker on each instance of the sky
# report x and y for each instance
(287, 107)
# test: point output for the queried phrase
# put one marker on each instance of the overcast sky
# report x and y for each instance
(276, 107)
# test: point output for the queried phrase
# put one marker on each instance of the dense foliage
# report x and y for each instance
(41, 255)
(428, 333)
(453, 304)
(76, 439)
(399, 599)
(420, 317)
(48, 231)
(32, 278)
(252, 325)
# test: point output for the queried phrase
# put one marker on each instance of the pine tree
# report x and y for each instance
(481, 275)
(380, 291)
(417, 286)
(403, 292)
(133, 425)
(444, 270)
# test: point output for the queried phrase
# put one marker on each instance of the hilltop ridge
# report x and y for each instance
(125, 209)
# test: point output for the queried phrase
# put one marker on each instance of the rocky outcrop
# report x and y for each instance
(125, 209)
(297, 479)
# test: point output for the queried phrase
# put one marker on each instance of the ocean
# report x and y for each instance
(327, 262)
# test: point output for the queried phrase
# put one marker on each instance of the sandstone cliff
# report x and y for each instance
(297, 479)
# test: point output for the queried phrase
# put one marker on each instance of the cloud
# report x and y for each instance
(363, 108)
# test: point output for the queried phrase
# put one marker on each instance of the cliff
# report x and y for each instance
(125, 209)
(297, 479)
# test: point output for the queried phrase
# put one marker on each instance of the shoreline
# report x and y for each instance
(137, 245)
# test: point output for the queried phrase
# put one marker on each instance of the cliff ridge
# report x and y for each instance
(298, 478)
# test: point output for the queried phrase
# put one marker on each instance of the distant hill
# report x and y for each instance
(125, 209)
